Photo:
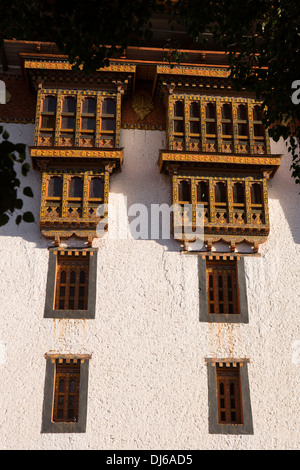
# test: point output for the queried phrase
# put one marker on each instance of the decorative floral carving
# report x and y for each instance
(142, 104)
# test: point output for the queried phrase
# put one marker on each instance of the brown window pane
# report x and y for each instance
(210, 111)
(88, 123)
(226, 111)
(96, 189)
(256, 193)
(49, 104)
(211, 128)
(243, 129)
(75, 187)
(194, 109)
(257, 113)
(89, 106)
(108, 124)
(109, 106)
(238, 193)
(194, 127)
(184, 191)
(178, 109)
(66, 392)
(258, 130)
(202, 191)
(220, 192)
(68, 122)
(54, 187)
(242, 114)
(69, 105)
(226, 128)
(48, 122)
(178, 126)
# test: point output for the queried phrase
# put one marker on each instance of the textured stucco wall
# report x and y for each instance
(147, 375)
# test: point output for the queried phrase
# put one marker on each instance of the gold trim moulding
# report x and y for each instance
(64, 65)
(271, 162)
(44, 154)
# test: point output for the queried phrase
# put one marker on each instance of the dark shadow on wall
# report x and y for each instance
(283, 188)
(147, 194)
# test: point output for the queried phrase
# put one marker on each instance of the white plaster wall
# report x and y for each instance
(147, 376)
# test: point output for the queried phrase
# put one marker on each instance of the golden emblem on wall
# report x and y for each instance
(142, 104)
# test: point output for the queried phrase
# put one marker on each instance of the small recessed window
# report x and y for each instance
(229, 397)
(71, 283)
(65, 393)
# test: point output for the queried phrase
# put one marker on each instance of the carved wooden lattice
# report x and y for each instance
(222, 287)
(229, 395)
(66, 392)
(72, 276)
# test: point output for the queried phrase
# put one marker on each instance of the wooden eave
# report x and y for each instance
(177, 160)
(42, 157)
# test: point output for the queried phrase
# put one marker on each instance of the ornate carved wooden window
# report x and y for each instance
(219, 145)
(229, 395)
(77, 147)
(235, 207)
(72, 281)
(66, 392)
(216, 124)
(70, 200)
(78, 118)
(222, 287)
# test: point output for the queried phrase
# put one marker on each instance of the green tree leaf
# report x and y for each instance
(28, 217)
(28, 191)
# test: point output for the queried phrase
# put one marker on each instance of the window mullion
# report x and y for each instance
(58, 117)
(78, 118)
(219, 126)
